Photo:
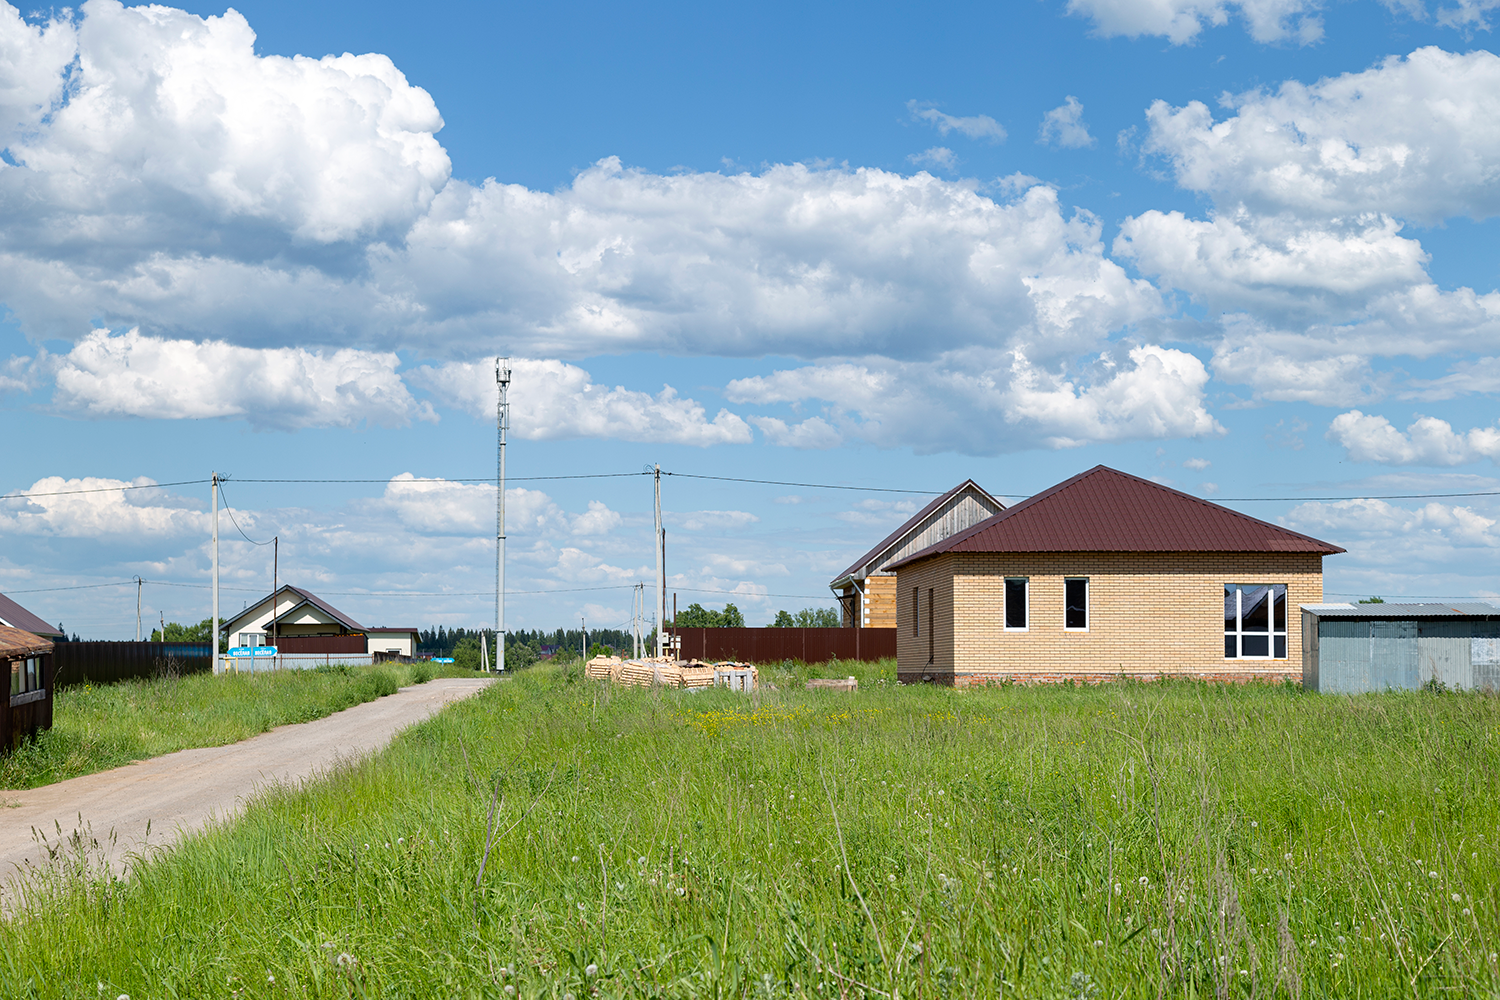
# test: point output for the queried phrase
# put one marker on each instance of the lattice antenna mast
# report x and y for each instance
(502, 424)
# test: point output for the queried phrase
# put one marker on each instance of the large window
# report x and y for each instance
(1255, 621)
(1015, 603)
(1076, 603)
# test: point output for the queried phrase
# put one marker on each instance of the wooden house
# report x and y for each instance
(26, 658)
(867, 589)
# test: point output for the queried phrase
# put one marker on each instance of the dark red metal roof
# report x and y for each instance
(1105, 510)
(907, 526)
(15, 616)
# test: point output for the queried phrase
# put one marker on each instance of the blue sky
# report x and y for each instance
(1246, 249)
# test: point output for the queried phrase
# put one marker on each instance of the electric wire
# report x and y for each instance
(230, 511)
(105, 489)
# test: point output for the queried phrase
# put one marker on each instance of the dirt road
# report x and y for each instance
(184, 791)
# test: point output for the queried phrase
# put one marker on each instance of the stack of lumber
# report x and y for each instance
(693, 675)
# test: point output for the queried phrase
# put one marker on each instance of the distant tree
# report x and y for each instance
(1372, 600)
(200, 632)
(807, 618)
(697, 616)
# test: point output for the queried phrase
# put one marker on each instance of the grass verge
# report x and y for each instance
(97, 727)
(554, 837)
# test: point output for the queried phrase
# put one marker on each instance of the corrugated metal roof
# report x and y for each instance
(15, 616)
(15, 642)
(1105, 510)
(308, 598)
(1461, 609)
(911, 524)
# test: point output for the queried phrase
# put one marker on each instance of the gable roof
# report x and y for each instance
(894, 539)
(15, 616)
(15, 643)
(1105, 510)
(307, 598)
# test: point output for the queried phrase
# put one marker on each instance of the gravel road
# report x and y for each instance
(184, 791)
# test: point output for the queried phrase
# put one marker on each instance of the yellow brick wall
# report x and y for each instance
(880, 602)
(928, 656)
(1150, 614)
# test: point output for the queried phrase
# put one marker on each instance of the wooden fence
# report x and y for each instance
(772, 645)
(107, 662)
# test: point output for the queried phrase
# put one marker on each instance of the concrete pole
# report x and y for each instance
(502, 419)
(661, 573)
(213, 636)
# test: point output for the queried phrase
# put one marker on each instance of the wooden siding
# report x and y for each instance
(879, 602)
(960, 513)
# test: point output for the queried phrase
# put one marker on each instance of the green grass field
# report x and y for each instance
(554, 837)
(96, 727)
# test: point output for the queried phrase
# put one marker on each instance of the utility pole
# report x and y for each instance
(213, 635)
(275, 584)
(584, 625)
(661, 571)
(138, 582)
(502, 419)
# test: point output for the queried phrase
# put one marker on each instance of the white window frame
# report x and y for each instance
(1088, 600)
(1025, 582)
(1271, 633)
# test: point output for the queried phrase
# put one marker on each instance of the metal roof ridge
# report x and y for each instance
(906, 526)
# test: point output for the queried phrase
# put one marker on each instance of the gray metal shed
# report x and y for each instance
(1352, 648)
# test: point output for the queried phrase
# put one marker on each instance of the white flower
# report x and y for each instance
(580, 907)
(1098, 944)
(1457, 898)
(400, 840)
(270, 978)
(683, 892)
(1254, 825)
(575, 859)
(890, 878)
(1144, 880)
(510, 990)
(591, 970)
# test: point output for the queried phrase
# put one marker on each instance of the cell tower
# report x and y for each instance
(502, 421)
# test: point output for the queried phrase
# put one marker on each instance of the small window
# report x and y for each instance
(1015, 604)
(916, 612)
(1076, 604)
(25, 675)
(1254, 621)
(931, 632)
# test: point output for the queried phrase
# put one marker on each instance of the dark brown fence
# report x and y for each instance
(319, 643)
(107, 662)
(772, 645)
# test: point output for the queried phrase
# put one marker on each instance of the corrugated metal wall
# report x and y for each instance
(107, 662)
(1353, 655)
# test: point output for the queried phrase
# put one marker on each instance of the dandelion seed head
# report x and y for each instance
(575, 859)
(591, 970)
(1432, 874)
(681, 891)
(510, 990)
(1254, 825)
(1144, 880)
(1457, 898)
(580, 907)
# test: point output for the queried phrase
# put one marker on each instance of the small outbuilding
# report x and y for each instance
(1354, 648)
(1107, 575)
(26, 704)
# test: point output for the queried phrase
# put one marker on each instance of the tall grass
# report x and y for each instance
(96, 727)
(556, 837)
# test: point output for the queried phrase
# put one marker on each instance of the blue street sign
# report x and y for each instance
(253, 651)
(442, 659)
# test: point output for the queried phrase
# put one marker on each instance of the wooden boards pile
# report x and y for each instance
(693, 675)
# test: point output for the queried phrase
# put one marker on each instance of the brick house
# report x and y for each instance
(1107, 575)
(867, 589)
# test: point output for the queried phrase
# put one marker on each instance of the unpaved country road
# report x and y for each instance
(183, 791)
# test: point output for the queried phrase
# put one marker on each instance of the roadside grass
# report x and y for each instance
(555, 837)
(97, 727)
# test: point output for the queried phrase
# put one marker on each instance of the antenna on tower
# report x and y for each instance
(502, 421)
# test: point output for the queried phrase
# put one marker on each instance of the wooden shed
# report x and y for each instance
(27, 708)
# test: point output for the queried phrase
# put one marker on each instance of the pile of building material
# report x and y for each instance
(693, 675)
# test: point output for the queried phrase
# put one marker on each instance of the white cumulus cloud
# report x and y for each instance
(1064, 126)
(974, 126)
(1181, 20)
(135, 375)
(551, 400)
(1426, 441)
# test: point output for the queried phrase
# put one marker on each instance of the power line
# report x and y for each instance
(439, 479)
(816, 486)
(103, 489)
(85, 586)
(230, 511)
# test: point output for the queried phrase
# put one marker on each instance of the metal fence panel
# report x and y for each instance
(108, 662)
(773, 645)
